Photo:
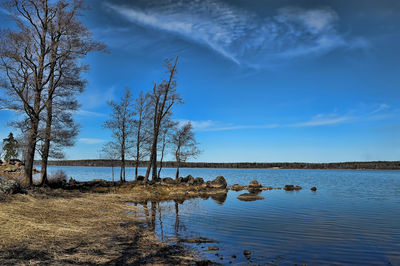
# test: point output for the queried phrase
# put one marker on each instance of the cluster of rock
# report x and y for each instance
(292, 188)
(217, 183)
(255, 188)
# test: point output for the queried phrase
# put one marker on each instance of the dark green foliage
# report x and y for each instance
(10, 146)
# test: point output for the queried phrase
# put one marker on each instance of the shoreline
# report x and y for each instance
(92, 222)
(368, 165)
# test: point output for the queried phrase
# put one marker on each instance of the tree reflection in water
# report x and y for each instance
(167, 209)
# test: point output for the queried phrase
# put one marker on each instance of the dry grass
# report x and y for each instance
(73, 227)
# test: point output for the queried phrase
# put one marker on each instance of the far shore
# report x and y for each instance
(369, 165)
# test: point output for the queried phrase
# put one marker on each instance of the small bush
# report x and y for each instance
(58, 179)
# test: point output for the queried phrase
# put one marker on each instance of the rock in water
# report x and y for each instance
(292, 187)
(314, 189)
(237, 187)
(190, 180)
(249, 197)
(254, 184)
(198, 181)
(213, 248)
(218, 182)
(246, 252)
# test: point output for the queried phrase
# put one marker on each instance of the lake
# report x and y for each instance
(353, 217)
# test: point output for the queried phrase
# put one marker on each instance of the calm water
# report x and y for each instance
(353, 218)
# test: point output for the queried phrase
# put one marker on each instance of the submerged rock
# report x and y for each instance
(213, 248)
(249, 197)
(292, 187)
(314, 189)
(246, 252)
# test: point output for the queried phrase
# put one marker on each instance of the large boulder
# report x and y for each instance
(255, 185)
(189, 180)
(168, 180)
(198, 181)
(218, 182)
(8, 186)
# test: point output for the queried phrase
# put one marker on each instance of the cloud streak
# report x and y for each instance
(318, 120)
(91, 141)
(241, 36)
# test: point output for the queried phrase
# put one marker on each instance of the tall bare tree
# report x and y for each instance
(48, 36)
(121, 123)
(141, 130)
(185, 145)
(166, 130)
(110, 152)
(162, 99)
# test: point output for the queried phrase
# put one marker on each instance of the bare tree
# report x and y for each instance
(185, 145)
(48, 36)
(110, 152)
(122, 124)
(141, 130)
(166, 127)
(162, 99)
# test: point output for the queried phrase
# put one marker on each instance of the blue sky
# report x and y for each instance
(262, 81)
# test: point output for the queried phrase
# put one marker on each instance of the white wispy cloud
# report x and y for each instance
(380, 108)
(241, 36)
(324, 120)
(82, 112)
(210, 125)
(91, 140)
(97, 97)
(378, 113)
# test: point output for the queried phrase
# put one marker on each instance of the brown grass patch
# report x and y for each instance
(76, 228)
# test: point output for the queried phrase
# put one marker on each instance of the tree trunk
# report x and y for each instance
(177, 170)
(112, 169)
(146, 177)
(153, 158)
(154, 165)
(136, 169)
(46, 146)
(122, 174)
(161, 159)
(138, 141)
(30, 153)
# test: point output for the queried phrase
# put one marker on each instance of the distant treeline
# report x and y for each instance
(383, 165)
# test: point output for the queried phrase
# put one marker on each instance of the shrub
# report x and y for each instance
(58, 179)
